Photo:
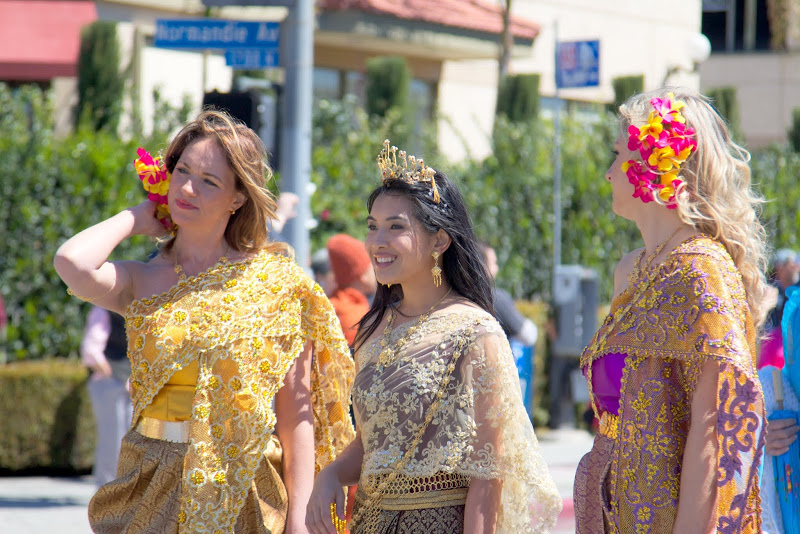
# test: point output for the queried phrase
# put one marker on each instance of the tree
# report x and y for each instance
(794, 131)
(388, 81)
(625, 87)
(506, 43)
(100, 82)
(727, 105)
(518, 97)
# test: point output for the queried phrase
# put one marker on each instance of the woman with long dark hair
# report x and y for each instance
(443, 441)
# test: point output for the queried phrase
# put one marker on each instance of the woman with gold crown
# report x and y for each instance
(241, 374)
(672, 369)
(443, 442)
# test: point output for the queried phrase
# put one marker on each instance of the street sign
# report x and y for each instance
(251, 58)
(578, 64)
(220, 34)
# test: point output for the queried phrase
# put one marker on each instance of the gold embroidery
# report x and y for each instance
(481, 429)
(227, 319)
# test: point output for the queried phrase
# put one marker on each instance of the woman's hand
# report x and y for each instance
(327, 489)
(780, 434)
(144, 220)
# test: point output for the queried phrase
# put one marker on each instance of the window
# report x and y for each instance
(729, 28)
(334, 84)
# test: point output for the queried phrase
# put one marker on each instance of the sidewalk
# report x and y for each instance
(44, 505)
(562, 450)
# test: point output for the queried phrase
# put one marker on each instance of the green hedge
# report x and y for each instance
(53, 188)
(48, 421)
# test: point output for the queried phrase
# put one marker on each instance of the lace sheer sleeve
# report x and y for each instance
(505, 445)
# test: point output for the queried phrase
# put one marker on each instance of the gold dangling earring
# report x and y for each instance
(436, 271)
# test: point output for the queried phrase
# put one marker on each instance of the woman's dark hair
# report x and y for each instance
(463, 264)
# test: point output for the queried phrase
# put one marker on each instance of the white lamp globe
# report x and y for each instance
(698, 47)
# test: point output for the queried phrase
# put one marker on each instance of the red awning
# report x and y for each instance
(40, 39)
(479, 15)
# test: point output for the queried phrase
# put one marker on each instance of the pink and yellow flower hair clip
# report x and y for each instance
(664, 143)
(155, 180)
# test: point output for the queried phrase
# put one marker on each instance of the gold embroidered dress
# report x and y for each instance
(241, 326)
(481, 430)
(691, 310)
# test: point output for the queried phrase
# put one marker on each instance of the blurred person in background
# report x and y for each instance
(515, 325)
(104, 350)
(323, 274)
(784, 274)
(355, 282)
(521, 332)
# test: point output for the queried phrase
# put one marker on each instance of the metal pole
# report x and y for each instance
(297, 51)
(557, 171)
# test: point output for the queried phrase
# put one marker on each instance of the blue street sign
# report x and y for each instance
(578, 64)
(251, 58)
(215, 34)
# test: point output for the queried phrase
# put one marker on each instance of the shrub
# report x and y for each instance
(727, 105)
(794, 131)
(387, 85)
(625, 87)
(100, 82)
(52, 424)
(518, 97)
(52, 189)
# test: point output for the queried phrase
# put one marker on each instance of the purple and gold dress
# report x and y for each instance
(645, 362)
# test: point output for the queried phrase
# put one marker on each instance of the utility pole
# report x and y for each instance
(297, 58)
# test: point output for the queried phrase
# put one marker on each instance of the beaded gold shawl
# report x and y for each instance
(693, 309)
(245, 323)
(481, 429)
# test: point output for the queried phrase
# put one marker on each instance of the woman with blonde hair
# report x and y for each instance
(671, 370)
(240, 372)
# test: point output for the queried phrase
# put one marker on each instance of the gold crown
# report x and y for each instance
(396, 165)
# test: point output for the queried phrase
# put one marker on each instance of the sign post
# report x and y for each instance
(577, 65)
(255, 45)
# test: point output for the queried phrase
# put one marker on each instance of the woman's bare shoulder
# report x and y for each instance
(623, 270)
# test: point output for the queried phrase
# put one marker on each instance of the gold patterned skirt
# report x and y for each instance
(145, 497)
(434, 505)
(590, 492)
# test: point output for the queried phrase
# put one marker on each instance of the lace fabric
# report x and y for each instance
(481, 430)
(245, 324)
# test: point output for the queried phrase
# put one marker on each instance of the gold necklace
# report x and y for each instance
(599, 343)
(389, 352)
(182, 274)
(638, 267)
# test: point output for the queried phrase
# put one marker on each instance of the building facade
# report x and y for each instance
(451, 47)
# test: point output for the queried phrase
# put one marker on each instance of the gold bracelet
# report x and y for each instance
(339, 524)
(87, 299)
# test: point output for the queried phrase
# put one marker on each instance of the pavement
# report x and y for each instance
(57, 505)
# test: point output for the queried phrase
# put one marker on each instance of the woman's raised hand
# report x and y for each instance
(145, 222)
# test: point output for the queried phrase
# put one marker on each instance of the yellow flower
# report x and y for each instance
(653, 128)
(220, 478)
(197, 477)
(661, 158)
